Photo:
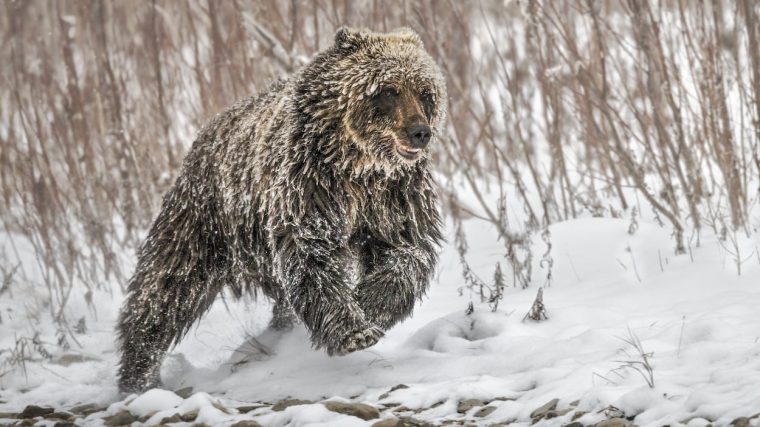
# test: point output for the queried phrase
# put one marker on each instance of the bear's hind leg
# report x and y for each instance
(157, 314)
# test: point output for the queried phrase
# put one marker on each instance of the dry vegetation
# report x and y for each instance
(561, 109)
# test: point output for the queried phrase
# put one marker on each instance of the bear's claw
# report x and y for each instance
(359, 341)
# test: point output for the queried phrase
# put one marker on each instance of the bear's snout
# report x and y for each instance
(419, 135)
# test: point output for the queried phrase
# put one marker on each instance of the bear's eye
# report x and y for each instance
(385, 100)
(428, 103)
(388, 93)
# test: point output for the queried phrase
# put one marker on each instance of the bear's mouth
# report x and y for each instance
(408, 153)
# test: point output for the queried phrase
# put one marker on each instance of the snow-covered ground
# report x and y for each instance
(694, 316)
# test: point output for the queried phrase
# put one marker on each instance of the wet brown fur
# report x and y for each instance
(299, 193)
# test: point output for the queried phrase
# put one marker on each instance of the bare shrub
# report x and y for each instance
(636, 358)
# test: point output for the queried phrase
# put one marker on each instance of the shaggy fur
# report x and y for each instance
(308, 193)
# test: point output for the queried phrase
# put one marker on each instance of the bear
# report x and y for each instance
(316, 193)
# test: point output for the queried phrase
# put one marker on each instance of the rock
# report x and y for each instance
(147, 416)
(401, 408)
(246, 423)
(287, 403)
(412, 422)
(11, 415)
(574, 424)
(70, 359)
(577, 415)
(575, 402)
(612, 422)
(59, 415)
(541, 411)
(189, 416)
(87, 409)
(176, 418)
(697, 421)
(64, 424)
(557, 413)
(394, 388)
(485, 411)
(120, 419)
(740, 422)
(468, 404)
(390, 422)
(33, 411)
(359, 410)
(218, 405)
(184, 392)
(248, 408)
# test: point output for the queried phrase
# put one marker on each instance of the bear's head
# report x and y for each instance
(381, 92)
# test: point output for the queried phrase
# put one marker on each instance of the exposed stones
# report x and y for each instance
(119, 419)
(184, 392)
(59, 416)
(86, 409)
(740, 422)
(146, 417)
(468, 404)
(394, 388)
(248, 408)
(176, 418)
(216, 404)
(541, 411)
(612, 422)
(287, 403)
(577, 415)
(412, 422)
(189, 417)
(359, 410)
(33, 411)
(697, 420)
(557, 413)
(71, 358)
(468, 412)
(485, 411)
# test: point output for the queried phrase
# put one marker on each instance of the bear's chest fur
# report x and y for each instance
(379, 210)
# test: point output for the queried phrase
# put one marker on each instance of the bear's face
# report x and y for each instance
(381, 91)
(396, 94)
(394, 123)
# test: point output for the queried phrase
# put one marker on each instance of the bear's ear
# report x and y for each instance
(408, 35)
(348, 39)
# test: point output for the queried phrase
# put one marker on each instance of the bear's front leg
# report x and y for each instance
(311, 259)
(395, 276)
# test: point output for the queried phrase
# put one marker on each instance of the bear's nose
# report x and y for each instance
(419, 135)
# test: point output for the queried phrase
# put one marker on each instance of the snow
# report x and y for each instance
(693, 313)
(153, 401)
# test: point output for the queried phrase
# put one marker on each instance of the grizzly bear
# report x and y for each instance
(317, 194)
